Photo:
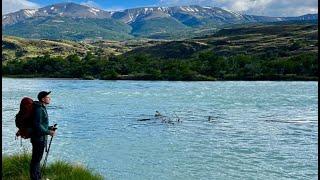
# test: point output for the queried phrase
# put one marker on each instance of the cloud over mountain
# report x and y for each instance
(257, 7)
(91, 3)
(9, 6)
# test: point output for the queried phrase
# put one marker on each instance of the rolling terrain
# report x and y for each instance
(270, 40)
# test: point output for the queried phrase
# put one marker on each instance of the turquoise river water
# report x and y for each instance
(257, 130)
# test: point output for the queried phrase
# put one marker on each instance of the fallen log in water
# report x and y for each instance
(143, 119)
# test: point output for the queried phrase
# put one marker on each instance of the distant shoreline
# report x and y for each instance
(136, 79)
(28, 77)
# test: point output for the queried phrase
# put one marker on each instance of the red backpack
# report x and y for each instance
(24, 118)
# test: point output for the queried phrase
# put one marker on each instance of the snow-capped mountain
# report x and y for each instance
(189, 15)
(62, 9)
(144, 21)
(186, 14)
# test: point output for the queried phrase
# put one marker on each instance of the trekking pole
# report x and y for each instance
(45, 160)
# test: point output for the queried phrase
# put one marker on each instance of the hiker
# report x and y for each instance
(40, 130)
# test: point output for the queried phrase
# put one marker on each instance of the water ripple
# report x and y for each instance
(256, 130)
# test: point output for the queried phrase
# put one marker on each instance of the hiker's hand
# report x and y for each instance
(52, 133)
(52, 128)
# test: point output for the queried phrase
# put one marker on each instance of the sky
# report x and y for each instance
(275, 8)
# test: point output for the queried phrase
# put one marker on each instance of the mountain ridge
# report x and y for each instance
(82, 11)
(155, 22)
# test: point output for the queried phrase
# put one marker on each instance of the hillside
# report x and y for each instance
(22, 48)
(246, 52)
(15, 47)
(269, 40)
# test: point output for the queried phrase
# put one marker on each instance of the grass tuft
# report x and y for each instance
(16, 167)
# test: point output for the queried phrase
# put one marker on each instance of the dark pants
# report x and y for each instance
(37, 153)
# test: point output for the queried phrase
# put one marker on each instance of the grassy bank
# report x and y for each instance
(16, 167)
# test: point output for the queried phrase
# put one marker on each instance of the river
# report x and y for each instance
(257, 129)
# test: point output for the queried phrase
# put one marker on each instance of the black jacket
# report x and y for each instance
(40, 125)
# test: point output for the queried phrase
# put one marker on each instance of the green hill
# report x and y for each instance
(263, 40)
(14, 47)
(171, 49)
(251, 52)
(21, 48)
(268, 40)
(69, 28)
(153, 26)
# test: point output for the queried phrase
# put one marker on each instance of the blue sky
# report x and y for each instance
(104, 4)
(255, 7)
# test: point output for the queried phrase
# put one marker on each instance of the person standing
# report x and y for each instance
(40, 130)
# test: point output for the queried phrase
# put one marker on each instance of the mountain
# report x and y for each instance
(78, 22)
(192, 16)
(72, 10)
(69, 28)
(159, 20)
(65, 21)
(149, 21)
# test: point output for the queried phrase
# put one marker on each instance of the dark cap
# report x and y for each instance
(43, 94)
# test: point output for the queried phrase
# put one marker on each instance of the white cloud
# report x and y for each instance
(246, 5)
(256, 7)
(114, 8)
(91, 4)
(9, 6)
